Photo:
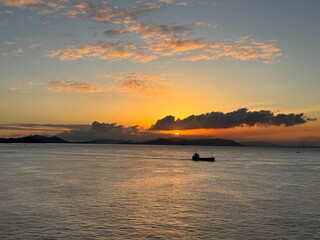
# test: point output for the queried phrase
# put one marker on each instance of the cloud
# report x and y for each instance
(114, 32)
(39, 127)
(146, 42)
(166, 42)
(114, 15)
(76, 86)
(166, 1)
(185, 45)
(145, 85)
(33, 44)
(204, 24)
(239, 118)
(18, 51)
(114, 131)
(80, 132)
(99, 11)
(39, 6)
(9, 43)
(183, 3)
(243, 49)
(77, 10)
(20, 3)
(135, 83)
(163, 32)
(117, 15)
(107, 51)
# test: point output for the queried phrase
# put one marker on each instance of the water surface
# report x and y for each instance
(52, 191)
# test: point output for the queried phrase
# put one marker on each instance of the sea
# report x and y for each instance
(78, 191)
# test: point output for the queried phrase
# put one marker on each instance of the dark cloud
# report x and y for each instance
(238, 118)
(113, 131)
(155, 32)
(113, 32)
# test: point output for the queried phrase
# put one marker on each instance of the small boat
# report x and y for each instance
(196, 157)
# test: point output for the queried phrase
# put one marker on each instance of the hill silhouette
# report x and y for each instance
(34, 139)
(159, 141)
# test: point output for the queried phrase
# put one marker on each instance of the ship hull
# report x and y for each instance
(204, 159)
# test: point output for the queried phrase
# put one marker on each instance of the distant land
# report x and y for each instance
(159, 141)
(33, 139)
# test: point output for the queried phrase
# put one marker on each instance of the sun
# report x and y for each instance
(177, 133)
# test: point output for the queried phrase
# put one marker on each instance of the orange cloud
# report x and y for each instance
(76, 86)
(175, 47)
(115, 15)
(159, 32)
(122, 15)
(243, 49)
(166, 1)
(135, 83)
(145, 85)
(185, 45)
(150, 41)
(20, 3)
(77, 10)
(98, 51)
(196, 50)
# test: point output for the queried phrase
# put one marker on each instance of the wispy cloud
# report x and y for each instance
(18, 51)
(183, 3)
(176, 47)
(77, 86)
(161, 32)
(40, 127)
(166, 1)
(146, 42)
(107, 51)
(204, 24)
(9, 43)
(77, 11)
(242, 49)
(135, 83)
(32, 44)
(17, 47)
(145, 85)
(20, 3)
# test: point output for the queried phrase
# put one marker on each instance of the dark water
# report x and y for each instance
(52, 191)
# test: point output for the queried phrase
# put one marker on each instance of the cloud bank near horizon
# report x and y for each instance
(113, 131)
(214, 120)
(239, 118)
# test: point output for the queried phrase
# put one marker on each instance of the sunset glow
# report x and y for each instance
(149, 69)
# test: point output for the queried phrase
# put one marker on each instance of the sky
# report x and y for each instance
(136, 69)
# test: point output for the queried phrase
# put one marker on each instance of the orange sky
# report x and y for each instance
(135, 62)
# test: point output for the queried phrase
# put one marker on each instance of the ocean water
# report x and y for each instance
(52, 191)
